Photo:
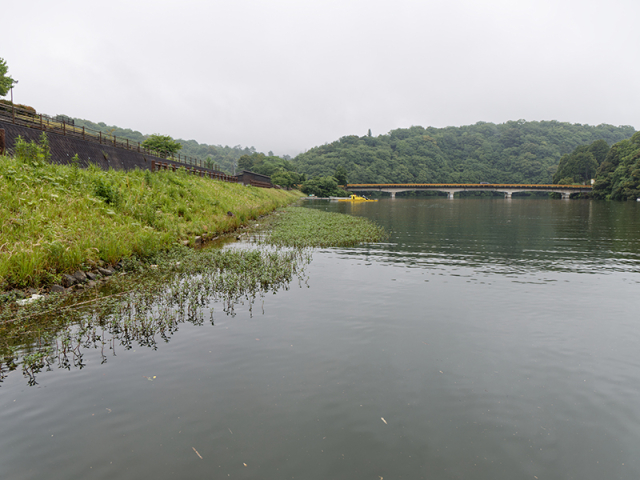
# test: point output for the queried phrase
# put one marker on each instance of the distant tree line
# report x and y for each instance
(512, 152)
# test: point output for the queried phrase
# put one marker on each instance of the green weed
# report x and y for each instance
(303, 227)
(55, 218)
(146, 305)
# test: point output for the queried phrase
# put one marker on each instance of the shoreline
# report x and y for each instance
(61, 219)
(83, 280)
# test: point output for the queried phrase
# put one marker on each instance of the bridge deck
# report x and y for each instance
(515, 186)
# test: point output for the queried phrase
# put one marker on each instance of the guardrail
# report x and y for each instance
(533, 186)
(20, 116)
(157, 166)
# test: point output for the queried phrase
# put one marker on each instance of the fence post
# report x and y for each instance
(64, 129)
(100, 132)
(2, 146)
(83, 132)
(114, 140)
(41, 122)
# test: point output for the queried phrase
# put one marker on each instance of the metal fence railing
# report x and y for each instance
(157, 166)
(21, 116)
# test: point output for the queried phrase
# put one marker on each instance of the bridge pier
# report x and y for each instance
(393, 195)
(565, 195)
(507, 195)
(450, 195)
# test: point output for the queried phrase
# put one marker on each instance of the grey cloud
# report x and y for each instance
(289, 75)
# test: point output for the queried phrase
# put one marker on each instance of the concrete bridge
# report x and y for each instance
(452, 188)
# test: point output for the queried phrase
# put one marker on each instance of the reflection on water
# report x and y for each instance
(506, 236)
(497, 339)
(56, 335)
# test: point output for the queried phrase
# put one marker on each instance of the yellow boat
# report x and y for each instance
(356, 198)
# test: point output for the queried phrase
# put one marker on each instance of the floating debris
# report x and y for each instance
(27, 301)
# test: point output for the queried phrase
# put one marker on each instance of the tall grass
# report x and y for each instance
(57, 218)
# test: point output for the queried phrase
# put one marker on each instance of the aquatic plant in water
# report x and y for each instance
(142, 307)
(304, 227)
(147, 302)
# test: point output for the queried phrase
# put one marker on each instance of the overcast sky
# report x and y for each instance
(287, 75)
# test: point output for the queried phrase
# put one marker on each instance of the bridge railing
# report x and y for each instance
(533, 186)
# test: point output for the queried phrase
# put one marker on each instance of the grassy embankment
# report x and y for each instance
(56, 219)
(167, 286)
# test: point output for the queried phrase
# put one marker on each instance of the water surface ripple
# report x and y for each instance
(486, 339)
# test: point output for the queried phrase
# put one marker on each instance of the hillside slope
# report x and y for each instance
(512, 152)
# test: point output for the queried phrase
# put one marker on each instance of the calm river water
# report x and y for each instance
(487, 339)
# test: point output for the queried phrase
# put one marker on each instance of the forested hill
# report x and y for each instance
(222, 156)
(511, 152)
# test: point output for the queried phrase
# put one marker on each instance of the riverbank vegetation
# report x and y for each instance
(58, 218)
(150, 296)
(618, 176)
(143, 305)
(615, 170)
(304, 227)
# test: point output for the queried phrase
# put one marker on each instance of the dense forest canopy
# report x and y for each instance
(512, 152)
(580, 166)
(618, 174)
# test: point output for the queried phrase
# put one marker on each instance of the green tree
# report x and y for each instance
(599, 149)
(618, 177)
(579, 166)
(323, 187)
(341, 175)
(286, 179)
(6, 82)
(163, 144)
(245, 162)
